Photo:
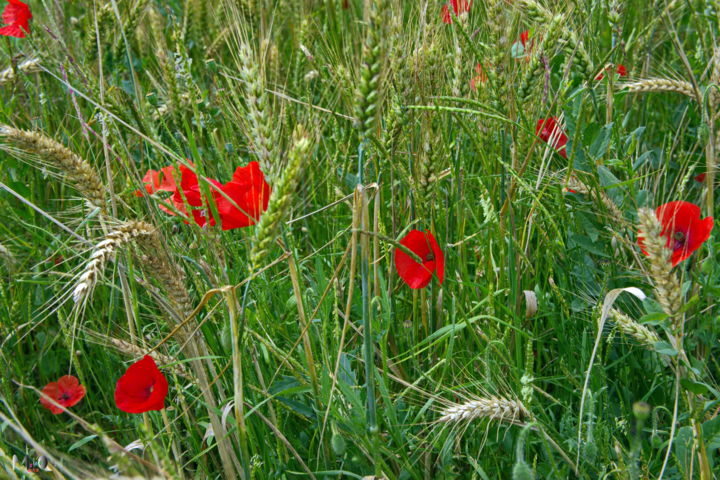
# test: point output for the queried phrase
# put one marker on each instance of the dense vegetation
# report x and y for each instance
(243, 190)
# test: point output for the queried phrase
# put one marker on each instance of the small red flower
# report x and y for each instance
(683, 228)
(424, 245)
(524, 37)
(67, 391)
(249, 191)
(551, 133)
(481, 77)
(700, 178)
(458, 7)
(142, 388)
(16, 17)
(162, 180)
(620, 70)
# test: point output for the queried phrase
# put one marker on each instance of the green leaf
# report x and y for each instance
(602, 141)
(651, 306)
(689, 304)
(665, 348)
(654, 318)
(694, 387)
(81, 442)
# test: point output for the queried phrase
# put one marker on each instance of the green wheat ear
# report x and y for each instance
(369, 94)
(280, 199)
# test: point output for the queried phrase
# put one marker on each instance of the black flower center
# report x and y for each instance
(430, 257)
(149, 390)
(679, 239)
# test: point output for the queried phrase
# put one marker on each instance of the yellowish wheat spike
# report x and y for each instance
(77, 170)
(492, 408)
(667, 286)
(31, 65)
(661, 85)
(103, 251)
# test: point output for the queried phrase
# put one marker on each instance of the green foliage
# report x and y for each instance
(382, 91)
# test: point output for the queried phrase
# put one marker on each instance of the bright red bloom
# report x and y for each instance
(683, 228)
(551, 133)
(67, 391)
(524, 37)
(458, 6)
(620, 70)
(249, 191)
(16, 17)
(700, 178)
(423, 244)
(142, 388)
(162, 180)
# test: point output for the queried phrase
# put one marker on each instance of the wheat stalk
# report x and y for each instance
(103, 251)
(667, 286)
(642, 334)
(661, 85)
(77, 170)
(493, 408)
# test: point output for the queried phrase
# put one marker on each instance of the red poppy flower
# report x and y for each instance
(142, 388)
(16, 17)
(458, 6)
(423, 244)
(700, 178)
(249, 191)
(162, 180)
(524, 37)
(620, 70)
(67, 391)
(481, 77)
(683, 228)
(551, 133)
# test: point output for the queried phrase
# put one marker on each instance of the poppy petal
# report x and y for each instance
(142, 388)
(413, 273)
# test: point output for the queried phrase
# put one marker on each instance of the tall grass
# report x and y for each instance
(292, 347)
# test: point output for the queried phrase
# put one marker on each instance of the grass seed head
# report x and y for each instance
(667, 286)
(77, 170)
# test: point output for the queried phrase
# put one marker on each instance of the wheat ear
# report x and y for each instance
(77, 170)
(492, 408)
(262, 131)
(369, 95)
(103, 251)
(661, 85)
(667, 286)
(31, 65)
(280, 199)
(642, 334)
